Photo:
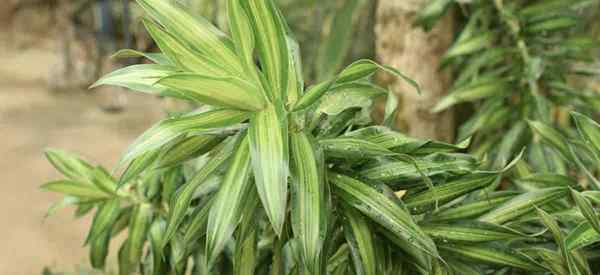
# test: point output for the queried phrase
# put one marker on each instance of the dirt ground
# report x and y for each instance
(31, 119)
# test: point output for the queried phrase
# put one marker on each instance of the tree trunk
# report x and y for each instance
(417, 54)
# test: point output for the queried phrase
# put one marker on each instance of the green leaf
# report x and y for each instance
(309, 209)
(182, 199)
(157, 58)
(335, 48)
(552, 137)
(141, 78)
(242, 34)
(229, 92)
(364, 67)
(352, 148)
(523, 204)
(138, 166)
(268, 134)
(226, 210)
(400, 172)
(169, 129)
(272, 47)
(470, 231)
(99, 250)
(246, 249)
(589, 130)
(138, 227)
(193, 32)
(105, 217)
(381, 209)
(441, 194)
(430, 14)
(70, 165)
(471, 92)
(349, 95)
(468, 46)
(582, 236)
(156, 236)
(554, 23)
(189, 148)
(181, 55)
(493, 255)
(473, 208)
(360, 239)
(77, 189)
(586, 209)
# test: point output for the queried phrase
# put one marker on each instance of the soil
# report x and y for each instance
(32, 119)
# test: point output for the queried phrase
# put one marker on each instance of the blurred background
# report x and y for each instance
(52, 50)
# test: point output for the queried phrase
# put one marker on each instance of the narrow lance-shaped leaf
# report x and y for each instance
(268, 135)
(169, 129)
(500, 256)
(77, 189)
(470, 231)
(183, 56)
(141, 78)
(272, 45)
(360, 239)
(382, 210)
(189, 148)
(523, 204)
(182, 199)
(589, 130)
(243, 36)
(156, 235)
(70, 165)
(226, 210)
(157, 58)
(552, 137)
(231, 92)
(308, 201)
(586, 209)
(195, 33)
(138, 227)
(105, 217)
(554, 228)
(99, 250)
(583, 235)
(246, 250)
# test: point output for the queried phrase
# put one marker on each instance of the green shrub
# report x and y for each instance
(272, 178)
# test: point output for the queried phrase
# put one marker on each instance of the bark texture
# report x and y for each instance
(417, 54)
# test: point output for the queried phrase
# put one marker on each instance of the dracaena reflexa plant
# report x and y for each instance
(270, 178)
(518, 61)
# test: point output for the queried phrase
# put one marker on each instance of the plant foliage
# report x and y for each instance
(271, 178)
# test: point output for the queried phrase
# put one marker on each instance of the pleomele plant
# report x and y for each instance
(267, 177)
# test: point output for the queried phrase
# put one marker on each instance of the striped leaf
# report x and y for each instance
(70, 165)
(77, 189)
(231, 92)
(351, 148)
(189, 148)
(589, 130)
(183, 56)
(141, 78)
(156, 236)
(169, 129)
(381, 209)
(268, 135)
(157, 58)
(193, 32)
(105, 217)
(586, 209)
(309, 217)
(226, 210)
(487, 254)
(426, 200)
(471, 92)
(182, 199)
(99, 250)
(581, 236)
(360, 239)
(269, 30)
(473, 208)
(551, 136)
(242, 33)
(138, 227)
(523, 204)
(470, 231)
(138, 166)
